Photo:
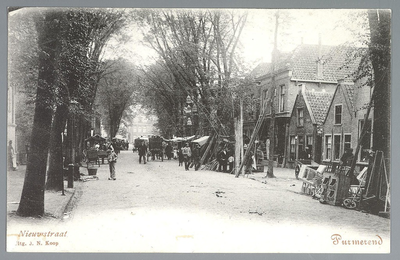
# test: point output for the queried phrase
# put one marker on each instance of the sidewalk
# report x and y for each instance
(284, 179)
(55, 203)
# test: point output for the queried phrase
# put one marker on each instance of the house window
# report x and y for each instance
(338, 114)
(336, 147)
(300, 117)
(292, 148)
(282, 99)
(328, 147)
(347, 141)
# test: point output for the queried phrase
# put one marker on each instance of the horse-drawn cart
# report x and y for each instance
(156, 147)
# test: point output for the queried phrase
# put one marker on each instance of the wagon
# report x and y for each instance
(156, 147)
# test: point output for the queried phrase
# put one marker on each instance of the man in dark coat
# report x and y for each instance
(347, 157)
(222, 158)
(196, 157)
(142, 152)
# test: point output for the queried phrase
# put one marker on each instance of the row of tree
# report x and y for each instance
(69, 80)
(66, 69)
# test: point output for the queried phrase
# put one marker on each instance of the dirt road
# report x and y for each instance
(160, 207)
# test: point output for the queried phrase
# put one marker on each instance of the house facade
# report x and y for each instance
(306, 125)
(317, 66)
(344, 121)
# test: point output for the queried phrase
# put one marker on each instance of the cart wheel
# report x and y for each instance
(297, 171)
(349, 204)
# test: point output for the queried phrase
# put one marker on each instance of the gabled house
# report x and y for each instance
(305, 126)
(344, 121)
(317, 66)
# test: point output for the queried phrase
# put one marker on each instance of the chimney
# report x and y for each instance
(319, 60)
(302, 88)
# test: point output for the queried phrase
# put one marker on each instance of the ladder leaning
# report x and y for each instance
(252, 140)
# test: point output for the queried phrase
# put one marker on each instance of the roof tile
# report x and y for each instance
(319, 103)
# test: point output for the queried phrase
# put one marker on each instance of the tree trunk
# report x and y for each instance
(32, 198)
(380, 53)
(55, 171)
(270, 172)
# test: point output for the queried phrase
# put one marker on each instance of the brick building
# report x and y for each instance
(344, 121)
(317, 66)
(306, 124)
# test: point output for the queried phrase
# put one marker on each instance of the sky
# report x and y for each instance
(296, 25)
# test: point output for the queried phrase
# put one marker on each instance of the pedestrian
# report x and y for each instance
(249, 165)
(168, 151)
(187, 154)
(142, 152)
(222, 158)
(347, 157)
(112, 160)
(196, 156)
(346, 160)
(231, 160)
(11, 156)
(180, 156)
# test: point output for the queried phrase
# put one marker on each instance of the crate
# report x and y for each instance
(339, 191)
(92, 171)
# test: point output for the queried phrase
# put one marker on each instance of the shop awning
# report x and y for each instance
(183, 139)
(95, 138)
(201, 140)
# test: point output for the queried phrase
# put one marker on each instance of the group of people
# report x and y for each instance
(189, 157)
(225, 158)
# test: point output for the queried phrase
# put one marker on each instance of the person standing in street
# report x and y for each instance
(11, 156)
(112, 160)
(249, 165)
(168, 151)
(180, 156)
(142, 152)
(222, 159)
(231, 161)
(196, 156)
(187, 154)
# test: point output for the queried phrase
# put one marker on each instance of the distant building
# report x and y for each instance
(142, 125)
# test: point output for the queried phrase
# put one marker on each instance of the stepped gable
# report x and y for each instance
(319, 104)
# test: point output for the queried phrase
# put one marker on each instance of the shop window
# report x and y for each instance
(300, 117)
(338, 114)
(328, 147)
(336, 147)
